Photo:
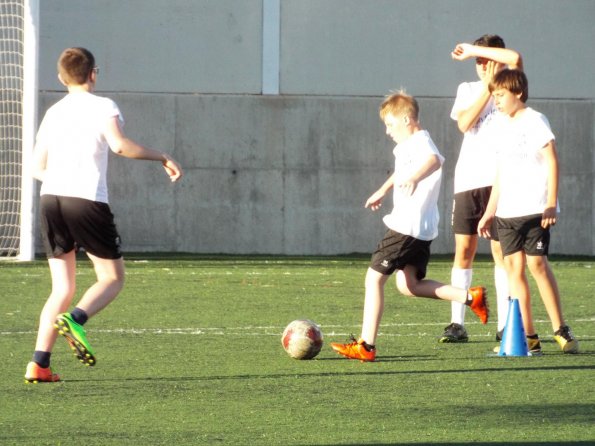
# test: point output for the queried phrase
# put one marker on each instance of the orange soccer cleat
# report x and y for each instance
(36, 374)
(355, 350)
(479, 304)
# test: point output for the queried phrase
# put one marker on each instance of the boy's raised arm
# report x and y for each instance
(506, 56)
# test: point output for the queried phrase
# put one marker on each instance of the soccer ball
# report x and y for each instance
(302, 339)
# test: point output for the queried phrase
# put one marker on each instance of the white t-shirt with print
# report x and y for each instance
(415, 215)
(522, 170)
(72, 131)
(476, 165)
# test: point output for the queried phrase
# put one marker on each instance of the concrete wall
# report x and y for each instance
(290, 173)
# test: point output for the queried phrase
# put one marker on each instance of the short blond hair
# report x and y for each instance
(398, 104)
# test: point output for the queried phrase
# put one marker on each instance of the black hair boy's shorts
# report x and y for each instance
(467, 209)
(69, 223)
(523, 234)
(395, 251)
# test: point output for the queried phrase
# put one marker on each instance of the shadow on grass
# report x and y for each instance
(495, 443)
(334, 374)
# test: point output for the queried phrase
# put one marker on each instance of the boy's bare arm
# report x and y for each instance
(551, 210)
(485, 223)
(40, 157)
(504, 56)
(467, 118)
(375, 200)
(126, 147)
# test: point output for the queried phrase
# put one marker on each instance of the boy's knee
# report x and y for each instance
(404, 290)
(405, 286)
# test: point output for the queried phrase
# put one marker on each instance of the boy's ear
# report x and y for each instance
(406, 120)
(62, 80)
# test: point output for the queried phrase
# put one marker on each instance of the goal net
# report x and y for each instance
(18, 120)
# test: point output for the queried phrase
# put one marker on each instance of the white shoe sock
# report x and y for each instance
(460, 278)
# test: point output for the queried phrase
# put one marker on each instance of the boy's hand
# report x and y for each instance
(408, 187)
(492, 68)
(484, 226)
(172, 168)
(549, 217)
(375, 201)
(462, 51)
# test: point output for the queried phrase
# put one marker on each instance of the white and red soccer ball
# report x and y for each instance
(302, 339)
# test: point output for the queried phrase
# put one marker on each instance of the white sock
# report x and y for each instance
(461, 278)
(502, 296)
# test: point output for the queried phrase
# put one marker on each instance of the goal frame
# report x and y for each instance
(29, 127)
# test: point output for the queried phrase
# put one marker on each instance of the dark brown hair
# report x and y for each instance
(514, 81)
(75, 65)
(491, 40)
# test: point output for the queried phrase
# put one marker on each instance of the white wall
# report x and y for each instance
(289, 174)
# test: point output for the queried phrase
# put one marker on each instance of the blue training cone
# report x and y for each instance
(514, 341)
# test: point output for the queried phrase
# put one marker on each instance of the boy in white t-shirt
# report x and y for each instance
(524, 203)
(70, 158)
(474, 174)
(412, 225)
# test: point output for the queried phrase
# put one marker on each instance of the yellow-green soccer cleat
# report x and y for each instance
(566, 340)
(76, 337)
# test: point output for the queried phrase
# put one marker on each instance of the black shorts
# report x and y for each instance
(69, 223)
(467, 209)
(523, 234)
(395, 251)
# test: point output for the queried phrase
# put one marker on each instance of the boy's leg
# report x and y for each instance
(550, 295)
(519, 288)
(548, 288)
(462, 272)
(501, 282)
(373, 305)
(110, 281)
(409, 284)
(62, 270)
(364, 348)
(461, 276)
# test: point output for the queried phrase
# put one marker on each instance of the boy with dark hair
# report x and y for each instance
(70, 159)
(524, 203)
(412, 225)
(474, 173)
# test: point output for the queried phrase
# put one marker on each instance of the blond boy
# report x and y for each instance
(412, 225)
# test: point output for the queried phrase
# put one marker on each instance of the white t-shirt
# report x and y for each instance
(522, 170)
(415, 215)
(72, 131)
(476, 166)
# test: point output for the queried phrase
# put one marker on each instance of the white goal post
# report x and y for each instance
(19, 22)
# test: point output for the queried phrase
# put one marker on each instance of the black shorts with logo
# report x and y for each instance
(523, 234)
(395, 251)
(69, 223)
